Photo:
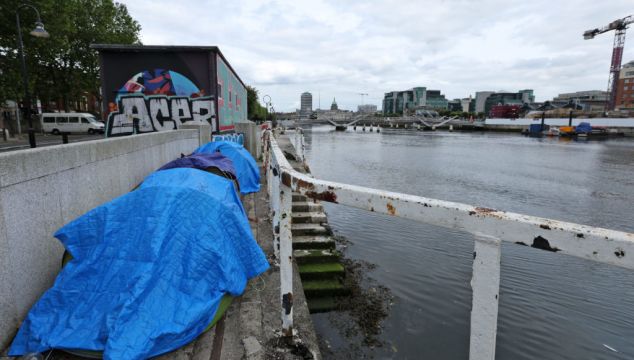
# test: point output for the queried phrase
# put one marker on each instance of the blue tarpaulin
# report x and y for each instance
(148, 271)
(203, 161)
(246, 167)
(583, 128)
(536, 128)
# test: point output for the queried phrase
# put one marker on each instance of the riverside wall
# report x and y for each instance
(42, 189)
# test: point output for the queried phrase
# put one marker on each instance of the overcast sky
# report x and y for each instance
(343, 48)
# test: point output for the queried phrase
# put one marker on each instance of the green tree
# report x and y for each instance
(61, 67)
(255, 111)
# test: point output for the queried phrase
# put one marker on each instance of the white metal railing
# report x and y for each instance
(489, 226)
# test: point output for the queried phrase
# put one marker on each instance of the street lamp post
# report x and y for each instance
(267, 103)
(37, 32)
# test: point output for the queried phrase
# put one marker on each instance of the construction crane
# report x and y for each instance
(619, 26)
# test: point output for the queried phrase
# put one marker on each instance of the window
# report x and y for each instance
(62, 120)
(84, 121)
(49, 120)
(73, 120)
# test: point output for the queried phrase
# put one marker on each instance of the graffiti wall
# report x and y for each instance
(232, 97)
(235, 137)
(158, 100)
(159, 88)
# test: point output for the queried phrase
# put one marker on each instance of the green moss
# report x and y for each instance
(321, 268)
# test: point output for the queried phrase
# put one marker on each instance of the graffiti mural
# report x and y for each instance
(154, 88)
(158, 100)
(236, 138)
(137, 113)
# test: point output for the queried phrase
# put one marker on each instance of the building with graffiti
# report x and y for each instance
(157, 88)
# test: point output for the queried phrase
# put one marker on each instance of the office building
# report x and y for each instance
(480, 99)
(508, 98)
(367, 108)
(306, 104)
(589, 100)
(398, 102)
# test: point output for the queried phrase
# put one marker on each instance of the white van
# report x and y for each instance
(71, 122)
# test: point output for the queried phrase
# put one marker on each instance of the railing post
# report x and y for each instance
(275, 206)
(286, 260)
(300, 144)
(485, 284)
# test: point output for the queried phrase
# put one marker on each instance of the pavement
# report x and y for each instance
(42, 140)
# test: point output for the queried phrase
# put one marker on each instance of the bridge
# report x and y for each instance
(417, 122)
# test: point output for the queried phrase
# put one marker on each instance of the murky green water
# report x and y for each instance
(551, 306)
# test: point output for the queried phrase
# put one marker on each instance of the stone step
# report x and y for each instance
(299, 197)
(319, 256)
(308, 229)
(322, 304)
(309, 217)
(321, 271)
(313, 242)
(322, 288)
(307, 206)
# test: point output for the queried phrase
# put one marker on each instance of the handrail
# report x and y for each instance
(489, 226)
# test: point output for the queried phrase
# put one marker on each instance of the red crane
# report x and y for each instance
(619, 26)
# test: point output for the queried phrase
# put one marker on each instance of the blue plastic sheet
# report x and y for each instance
(148, 271)
(583, 128)
(246, 167)
(203, 161)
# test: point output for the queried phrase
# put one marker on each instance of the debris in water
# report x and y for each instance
(611, 348)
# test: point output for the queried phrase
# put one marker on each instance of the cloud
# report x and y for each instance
(343, 48)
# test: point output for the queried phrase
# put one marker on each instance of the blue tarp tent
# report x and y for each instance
(148, 271)
(246, 167)
(203, 161)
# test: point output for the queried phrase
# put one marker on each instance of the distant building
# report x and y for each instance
(306, 104)
(436, 100)
(454, 105)
(397, 102)
(468, 104)
(334, 106)
(625, 88)
(485, 100)
(480, 99)
(461, 105)
(527, 96)
(367, 108)
(590, 100)
(508, 98)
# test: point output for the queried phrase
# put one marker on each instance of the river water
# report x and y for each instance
(551, 306)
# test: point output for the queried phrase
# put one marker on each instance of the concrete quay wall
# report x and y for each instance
(44, 188)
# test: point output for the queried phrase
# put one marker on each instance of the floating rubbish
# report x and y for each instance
(610, 348)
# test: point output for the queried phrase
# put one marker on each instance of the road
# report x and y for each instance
(44, 140)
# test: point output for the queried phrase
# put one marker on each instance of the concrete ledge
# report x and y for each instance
(19, 166)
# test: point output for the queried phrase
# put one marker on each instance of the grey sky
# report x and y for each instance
(342, 48)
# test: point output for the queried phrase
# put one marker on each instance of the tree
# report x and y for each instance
(255, 111)
(62, 67)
